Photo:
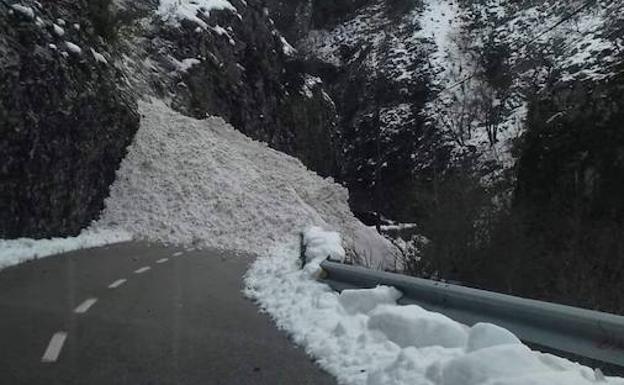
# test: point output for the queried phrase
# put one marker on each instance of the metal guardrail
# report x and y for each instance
(589, 336)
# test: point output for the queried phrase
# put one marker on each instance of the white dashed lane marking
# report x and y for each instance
(85, 306)
(117, 283)
(142, 270)
(163, 260)
(177, 254)
(54, 347)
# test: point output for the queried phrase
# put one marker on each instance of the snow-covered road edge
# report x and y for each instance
(16, 251)
(364, 337)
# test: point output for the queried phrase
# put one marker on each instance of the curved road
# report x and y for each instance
(140, 314)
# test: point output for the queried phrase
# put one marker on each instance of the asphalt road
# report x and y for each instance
(182, 321)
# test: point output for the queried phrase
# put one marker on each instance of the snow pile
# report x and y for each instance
(320, 245)
(16, 251)
(172, 11)
(202, 183)
(414, 326)
(365, 300)
(363, 337)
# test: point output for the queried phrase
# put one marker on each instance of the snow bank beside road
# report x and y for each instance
(16, 251)
(363, 337)
(202, 183)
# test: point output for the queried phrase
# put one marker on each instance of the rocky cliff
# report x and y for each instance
(66, 118)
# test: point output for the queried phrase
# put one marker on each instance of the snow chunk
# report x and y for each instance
(172, 11)
(414, 326)
(14, 251)
(485, 335)
(322, 244)
(23, 10)
(365, 300)
(495, 363)
(73, 48)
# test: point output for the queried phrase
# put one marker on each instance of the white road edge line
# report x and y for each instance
(117, 283)
(142, 270)
(54, 347)
(163, 260)
(85, 306)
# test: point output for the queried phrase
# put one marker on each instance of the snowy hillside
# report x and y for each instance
(479, 62)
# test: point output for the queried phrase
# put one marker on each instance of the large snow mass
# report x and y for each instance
(202, 183)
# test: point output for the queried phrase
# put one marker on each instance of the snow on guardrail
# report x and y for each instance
(363, 336)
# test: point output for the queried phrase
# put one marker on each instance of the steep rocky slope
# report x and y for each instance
(65, 118)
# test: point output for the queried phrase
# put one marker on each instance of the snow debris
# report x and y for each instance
(73, 48)
(16, 251)
(320, 244)
(363, 337)
(365, 300)
(485, 335)
(23, 10)
(414, 326)
(172, 11)
(202, 183)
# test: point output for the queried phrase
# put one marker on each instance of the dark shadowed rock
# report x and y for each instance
(65, 122)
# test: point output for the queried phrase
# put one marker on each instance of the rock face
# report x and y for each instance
(65, 122)
(233, 63)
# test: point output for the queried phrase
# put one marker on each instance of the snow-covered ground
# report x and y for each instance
(15, 251)
(364, 337)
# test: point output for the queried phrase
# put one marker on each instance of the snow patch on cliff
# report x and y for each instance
(172, 11)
